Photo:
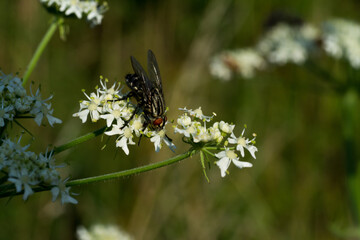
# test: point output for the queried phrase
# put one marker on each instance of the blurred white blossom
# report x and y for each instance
(91, 9)
(102, 232)
(242, 61)
(341, 39)
(288, 44)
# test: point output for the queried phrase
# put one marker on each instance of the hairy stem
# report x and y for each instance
(110, 176)
(79, 140)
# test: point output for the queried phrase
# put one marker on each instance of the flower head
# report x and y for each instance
(92, 9)
(226, 157)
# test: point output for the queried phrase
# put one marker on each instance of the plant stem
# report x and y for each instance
(110, 176)
(79, 140)
(41, 47)
(350, 105)
(130, 172)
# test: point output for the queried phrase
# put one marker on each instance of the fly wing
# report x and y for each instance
(139, 70)
(154, 72)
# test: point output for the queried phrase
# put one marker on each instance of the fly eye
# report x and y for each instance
(158, 121)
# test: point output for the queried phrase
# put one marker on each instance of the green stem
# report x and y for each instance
(79, 140)
(130, 172)
(110, 176)
(40, 49)
(350, 104)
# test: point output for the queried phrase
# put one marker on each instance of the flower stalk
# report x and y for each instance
(41, 47)
(79, 140)
(110, 176)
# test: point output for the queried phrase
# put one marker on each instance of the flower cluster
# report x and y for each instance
(281, 44)
(192, 124)
(242, 61)
(91, 9)
(100, 231)
(15, 103)
(27, 170)
(288, 44)
(110, 104)
(341, 39)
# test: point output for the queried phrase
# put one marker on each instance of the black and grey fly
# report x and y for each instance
(147, 90)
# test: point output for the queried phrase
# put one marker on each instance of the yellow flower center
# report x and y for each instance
(231, 154)
(241, 141)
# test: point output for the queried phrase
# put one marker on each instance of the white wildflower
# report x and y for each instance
(102, 232)
(242, 143)
(288, 44)
(341, 39)
(225, 158)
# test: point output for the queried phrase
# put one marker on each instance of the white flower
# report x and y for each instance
(188, 131)
(219, 69)
(109, 93)
(184, 120)
(242, 61)
(160, 136)
(115, 112)
(341, 39)
(27, 170)
(226, 127)
(74, 7)
(41, 109)
(197, 113)
(91, 8)
(102, 232)
(125, 137)
(23, 178)
(6, 113)
(137, 125)
(242, 143)
(64, 192)
(226, 157)
(92, 107)
(284, 43)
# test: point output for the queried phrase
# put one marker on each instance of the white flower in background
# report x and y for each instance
(219, 69)
(16, 103)
(6, 113)
(23, 179)
(288, 44)
(102, 232)
(242, 143)
(242, 61)
(92, 9)
(27, 170)
(226, 157)
(341, 39)
(64, 192)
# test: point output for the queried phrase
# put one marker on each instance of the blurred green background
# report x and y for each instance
(296, 189)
